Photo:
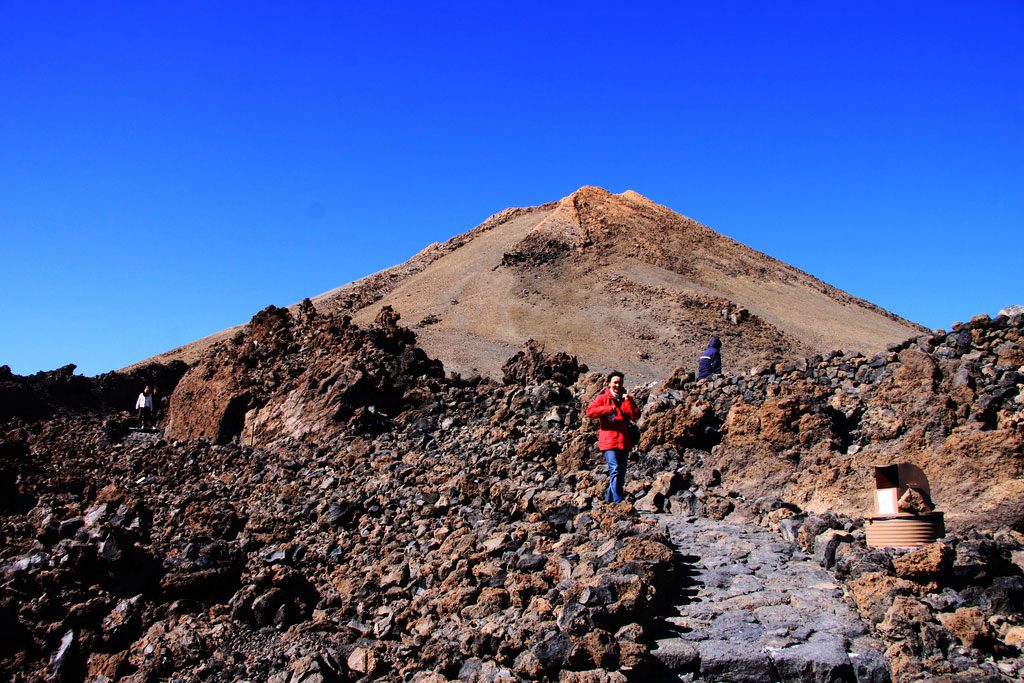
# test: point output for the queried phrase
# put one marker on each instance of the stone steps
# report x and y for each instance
(752, 607)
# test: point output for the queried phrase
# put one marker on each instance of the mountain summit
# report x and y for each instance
(621, 282)
(616, 279)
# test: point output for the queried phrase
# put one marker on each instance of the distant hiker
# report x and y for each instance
(710, 360)
(144, 404)
(614, 409)
(157, 406)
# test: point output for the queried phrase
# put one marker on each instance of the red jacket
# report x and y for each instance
(614, 419)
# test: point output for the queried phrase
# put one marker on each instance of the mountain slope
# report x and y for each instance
(619, 281)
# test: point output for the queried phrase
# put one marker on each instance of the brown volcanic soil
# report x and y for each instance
(617, 280)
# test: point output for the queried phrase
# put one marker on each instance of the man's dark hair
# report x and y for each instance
(615, 373)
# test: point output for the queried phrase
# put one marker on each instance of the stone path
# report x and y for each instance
(754, 608)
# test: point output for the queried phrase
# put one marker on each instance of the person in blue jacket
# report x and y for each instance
(710, 360)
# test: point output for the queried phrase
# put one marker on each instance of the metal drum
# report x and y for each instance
(904, 531)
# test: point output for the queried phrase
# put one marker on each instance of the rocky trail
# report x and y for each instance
(754, 607)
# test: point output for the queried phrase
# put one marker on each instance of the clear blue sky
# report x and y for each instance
(168, 170)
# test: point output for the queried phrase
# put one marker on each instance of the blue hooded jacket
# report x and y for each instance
(710, 360)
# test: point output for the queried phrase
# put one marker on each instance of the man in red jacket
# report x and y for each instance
(614, 409)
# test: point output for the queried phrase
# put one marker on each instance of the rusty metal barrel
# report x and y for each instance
(904, 531)
(899, 523)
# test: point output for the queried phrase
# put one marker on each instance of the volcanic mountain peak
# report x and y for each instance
(633, 195)
(616, 279)
(594, 217)
(630, 209)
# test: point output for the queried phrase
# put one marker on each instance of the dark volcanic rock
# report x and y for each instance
(326, 504)
(810, 433)
(407, 521)
(46, 394)
(533, 366)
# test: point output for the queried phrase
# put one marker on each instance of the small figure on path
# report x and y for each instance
(711, 360)
(144, 405)
(157, 406)
(614, 409)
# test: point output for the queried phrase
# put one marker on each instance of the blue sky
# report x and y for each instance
(167, 171)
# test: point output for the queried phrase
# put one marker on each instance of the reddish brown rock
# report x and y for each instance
(1014, 637)
(363, 661)
(683, 426)
(111, 666)
(914, 502)
(928, 563)
(204, 403)
(717, 507)
(532, 365)
(968, 624)
(602, 649)
(778, 421)
(904, 617)
(874, 593)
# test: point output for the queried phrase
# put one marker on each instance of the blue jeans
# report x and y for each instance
(617, 461)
